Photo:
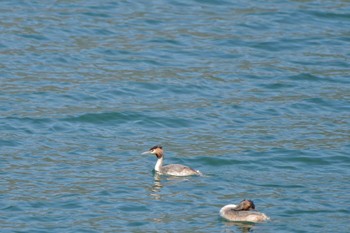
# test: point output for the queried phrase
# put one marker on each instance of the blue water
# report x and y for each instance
(254, 94)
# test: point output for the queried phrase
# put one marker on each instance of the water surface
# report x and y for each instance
(254, 94)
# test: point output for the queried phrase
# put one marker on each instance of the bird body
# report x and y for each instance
(243, 212)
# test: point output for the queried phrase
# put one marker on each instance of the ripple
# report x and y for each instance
(220, 161)
(129, 117)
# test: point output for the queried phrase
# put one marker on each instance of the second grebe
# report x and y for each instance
(243, 212)
(171, 169)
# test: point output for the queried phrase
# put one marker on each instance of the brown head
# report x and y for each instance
(157, 150)
(245, 205)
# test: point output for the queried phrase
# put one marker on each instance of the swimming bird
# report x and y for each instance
(171, 169)
(243, 212)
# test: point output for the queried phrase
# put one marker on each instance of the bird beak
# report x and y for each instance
(146, 152)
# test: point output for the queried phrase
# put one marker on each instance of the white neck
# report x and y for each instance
(159, 164)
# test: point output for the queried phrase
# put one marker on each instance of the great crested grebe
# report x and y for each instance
(171, 169)
(243, 212)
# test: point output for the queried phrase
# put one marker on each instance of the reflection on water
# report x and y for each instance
(157, 184)
(244, 227)
(156, 187)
